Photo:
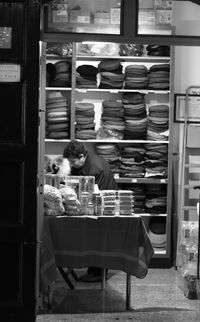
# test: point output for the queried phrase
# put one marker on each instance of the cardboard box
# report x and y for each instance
(60, 13)
(163, 17)
(163, 4)
(115, 14)
(79, 16)
(102, 21)
(147, 17)
(102, 18)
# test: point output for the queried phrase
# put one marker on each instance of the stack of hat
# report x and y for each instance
(136, 76)
(158, 122)
(85, 125)
(111, 75)
(57, 116)
(86, 76)
(156, 160)
(135, 116)
(159, 77)
(156, 199)
(111, 153)
(62, 77)
(50, 73)
(156, 50)
(157, 232)
(132, 161)
(112, 117)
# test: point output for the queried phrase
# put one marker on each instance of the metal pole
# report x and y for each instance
(128, 291)
(103, 279)
(198, 245)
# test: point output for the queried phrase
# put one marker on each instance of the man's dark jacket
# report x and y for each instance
(100, 169)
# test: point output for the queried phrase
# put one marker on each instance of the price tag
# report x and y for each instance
(81, 90)
(133, 180)
(161, 92)
(113, 91)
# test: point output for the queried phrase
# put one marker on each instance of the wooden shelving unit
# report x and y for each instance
(78, 94)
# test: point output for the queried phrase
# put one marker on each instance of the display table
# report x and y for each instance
(118, 243)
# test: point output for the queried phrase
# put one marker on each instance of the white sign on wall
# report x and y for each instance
(192, 106)
(10, 73)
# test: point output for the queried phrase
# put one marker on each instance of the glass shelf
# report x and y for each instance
(58, 88)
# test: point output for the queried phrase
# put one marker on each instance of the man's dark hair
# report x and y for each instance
(74, 149)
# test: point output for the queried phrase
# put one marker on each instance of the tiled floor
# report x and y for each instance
(157, 292)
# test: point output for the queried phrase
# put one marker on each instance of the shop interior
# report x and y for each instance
(152, 147)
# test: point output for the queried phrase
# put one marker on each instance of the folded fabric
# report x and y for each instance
(52, 115)
(109, 64)
(157, 67)
(57, 127)
(85, 134)
(55, 120)
(132, 98)
(87, 70)
(58, 135)
(63, 66)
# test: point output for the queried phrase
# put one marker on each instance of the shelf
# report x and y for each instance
(57, 57)
(141, 180)
(143, 91)
(58, 88)
(152, 215)
(150, 59)
(113, 141)
(111, 216)
(57, 141)
(78, 27)
(124, 141)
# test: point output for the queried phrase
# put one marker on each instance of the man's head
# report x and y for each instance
(76, 153)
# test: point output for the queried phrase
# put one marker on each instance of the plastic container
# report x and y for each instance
(98, 205)
(117, 206)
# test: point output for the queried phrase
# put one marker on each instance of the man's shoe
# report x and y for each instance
(90, 278)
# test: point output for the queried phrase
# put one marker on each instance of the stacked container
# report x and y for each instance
(117, 202)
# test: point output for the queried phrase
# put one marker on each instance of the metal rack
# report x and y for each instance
(187, 260)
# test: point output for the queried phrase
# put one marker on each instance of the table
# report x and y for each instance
(116, 242)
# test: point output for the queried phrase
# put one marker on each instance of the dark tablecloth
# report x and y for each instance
(119, 243)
